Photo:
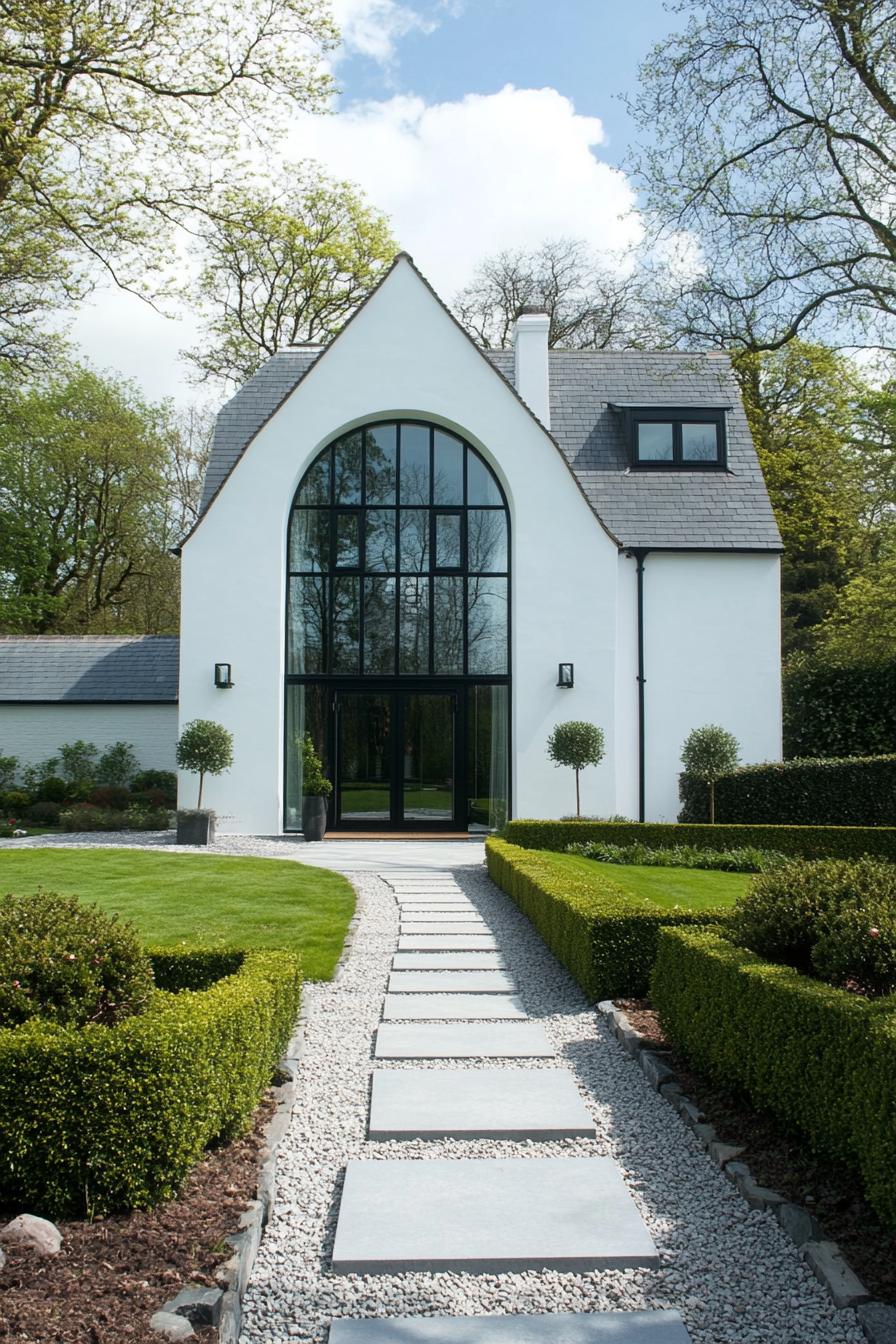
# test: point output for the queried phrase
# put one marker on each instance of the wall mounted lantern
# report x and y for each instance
(222, 676)
(564, 676)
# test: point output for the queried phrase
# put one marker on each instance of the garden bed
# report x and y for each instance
(112, 1274)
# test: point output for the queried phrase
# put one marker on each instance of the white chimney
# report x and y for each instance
(530, 361)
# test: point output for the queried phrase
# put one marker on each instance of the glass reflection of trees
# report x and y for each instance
(398, 559)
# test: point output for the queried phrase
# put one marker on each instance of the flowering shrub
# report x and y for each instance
(68, 963)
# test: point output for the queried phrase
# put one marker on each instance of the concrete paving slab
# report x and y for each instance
(488, 1215)
(457, 1007)
(448, 961)
(477, 1104)
(437, 903)
(440, 917)
(466, 908)
(602, 1327)
(451, 982)
(462, 1040)
(469, 926)
(446, 942)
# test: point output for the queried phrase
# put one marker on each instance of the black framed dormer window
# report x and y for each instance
(676, 438)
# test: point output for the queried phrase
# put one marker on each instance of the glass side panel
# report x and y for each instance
(309, 541)
(379, 626)
(487, 541)
(700, 442)
(348, 548)
(487, 626)
(364, 728)
(448, 625)
(654, 439)
(413, 651)
(414, 464)
(414, 540)
(448, 541)
(307, 626)
(347, 470)
(381, 459)
(428, 758)
(346, 624)
(315, 487)
(448, 469)
(380, 554)
(488, 764)
(306, 712)
(482, 488)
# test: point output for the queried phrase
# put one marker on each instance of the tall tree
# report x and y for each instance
(771, 134)
(115, 114)
(283, 262)
(592, 304)
(93, 493)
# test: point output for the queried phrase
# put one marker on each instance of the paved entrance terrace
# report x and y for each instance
(473, 1160)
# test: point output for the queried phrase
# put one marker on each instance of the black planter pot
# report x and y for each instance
(195, 826)
(314, 818)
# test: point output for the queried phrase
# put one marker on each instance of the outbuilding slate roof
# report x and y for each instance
(89, 669)
(678, 510)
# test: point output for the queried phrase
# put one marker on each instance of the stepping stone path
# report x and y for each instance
(492, 1215)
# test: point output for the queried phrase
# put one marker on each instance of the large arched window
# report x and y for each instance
(398, 574)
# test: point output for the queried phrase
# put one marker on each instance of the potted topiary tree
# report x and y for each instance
(316, 789)
(707, 754)
(576, 745)
(204, 748)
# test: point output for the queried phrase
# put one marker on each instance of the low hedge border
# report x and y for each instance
(821, 1059)
(807, 842)
(851, 791)
(104, 1119)
(604, 937)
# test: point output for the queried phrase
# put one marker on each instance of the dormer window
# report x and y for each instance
(675, 438)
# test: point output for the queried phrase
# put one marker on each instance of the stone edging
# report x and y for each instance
(223, 1306)
(824, 1258)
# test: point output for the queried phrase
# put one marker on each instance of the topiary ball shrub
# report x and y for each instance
(68, 963)
(818, 917)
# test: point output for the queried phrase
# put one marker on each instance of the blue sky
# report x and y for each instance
(476, 125)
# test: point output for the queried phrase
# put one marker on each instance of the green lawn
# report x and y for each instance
(204, 901)
(691, 887)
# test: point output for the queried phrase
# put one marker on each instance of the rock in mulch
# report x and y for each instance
(35, 1234)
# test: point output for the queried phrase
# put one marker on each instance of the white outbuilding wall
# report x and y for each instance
(401, 356)
(34, 732)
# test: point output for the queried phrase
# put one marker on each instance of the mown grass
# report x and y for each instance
(687, 888)
(200, 900)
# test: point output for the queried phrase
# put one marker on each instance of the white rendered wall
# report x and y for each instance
(402, 355)
(626, 761)
(35, 732)
(711, 655)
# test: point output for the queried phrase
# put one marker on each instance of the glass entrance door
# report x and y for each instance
(397, 760)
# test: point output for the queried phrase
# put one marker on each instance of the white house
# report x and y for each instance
(427, 555)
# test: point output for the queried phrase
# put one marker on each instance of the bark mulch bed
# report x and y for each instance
(783, 1162)
(113, 1273)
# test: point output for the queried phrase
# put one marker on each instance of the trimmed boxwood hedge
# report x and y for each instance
(839, 707)
(808, 842)
(821, 1059)
(856, 791)
(604, 937)
(103, 1119)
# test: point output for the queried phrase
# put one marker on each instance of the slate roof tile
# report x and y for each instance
(89, 669)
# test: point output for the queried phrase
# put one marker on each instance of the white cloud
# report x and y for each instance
(463, 179)
(373, 27)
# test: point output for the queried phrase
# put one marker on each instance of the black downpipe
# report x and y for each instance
(639, 561)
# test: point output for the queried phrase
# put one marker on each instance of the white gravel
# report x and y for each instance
(730, 1271)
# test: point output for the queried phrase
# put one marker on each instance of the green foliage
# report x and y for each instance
(98, 1120)
(14, 801)
(282, 261)
(859, 791)
(861, 623)
(314, 782)
(51, 789)
(815, 916)
(204, 748)
(819, 1058)
(748, 860)
(112, 796)
(811, 842)
(707, 753)
(577, 745)
(117, 765)
(88, 817)
(78, 762)
(604, 937)
(43, 813)
(165, 781)
(68, 963)
(839, 708)
(8, 768)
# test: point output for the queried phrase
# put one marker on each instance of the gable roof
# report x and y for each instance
(686, 510)
(89, 669)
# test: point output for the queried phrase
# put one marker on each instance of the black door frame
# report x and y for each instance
(399, 695)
